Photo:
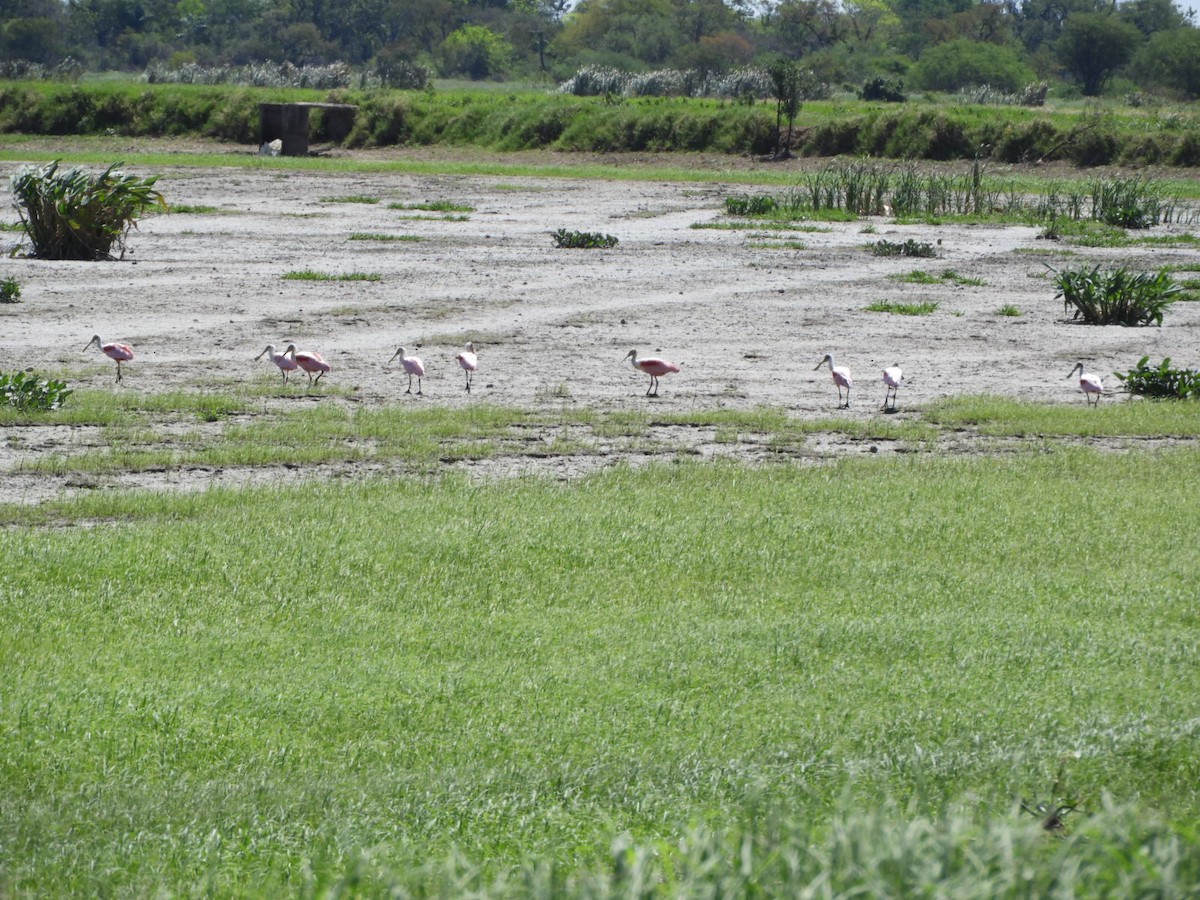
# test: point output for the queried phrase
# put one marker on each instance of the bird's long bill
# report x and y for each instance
(261, 355)
(1078, 368)
(394, 355)
(94, 340)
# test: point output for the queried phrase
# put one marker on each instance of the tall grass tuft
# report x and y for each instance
(1117, 297)
(74, 215)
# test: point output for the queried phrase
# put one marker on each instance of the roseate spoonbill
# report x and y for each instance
(119, 352)
(469, 362)
(413, 366)
(310, 361)
(841, 377)
(892, 377)
(285, 361)
(654, 367)
(1088, 383)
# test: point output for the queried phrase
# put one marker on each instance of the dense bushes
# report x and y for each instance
(961, 63)
(1118, 297)
(613, 122)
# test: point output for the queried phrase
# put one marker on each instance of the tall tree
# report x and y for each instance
(1093, 46)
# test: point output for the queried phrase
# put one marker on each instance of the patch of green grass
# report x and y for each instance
(350, 198)
(378, 236)
(313, 275)
(916, 277)
(1009, 309)
(1114, 418)
(197, 209)
(445, 206)
(777, 245)
(531, 673)
(1044, 251)
(1167, 240)
(923, 308)
(11, 226)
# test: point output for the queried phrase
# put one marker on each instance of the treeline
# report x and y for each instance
(1080, 46)
(508, 122)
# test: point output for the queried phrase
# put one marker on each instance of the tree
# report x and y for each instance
(477, 52)
(962, 63)
(1152, 16)
(1093, 46)
(1171, 59)
(786, 86)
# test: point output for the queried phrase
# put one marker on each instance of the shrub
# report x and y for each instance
(27, 391)
(961, 63)
(1161, 380)
(1127, 202)
(583, 240)
(1118, 297)
(73, 215)
(885, 89)
(10, 291)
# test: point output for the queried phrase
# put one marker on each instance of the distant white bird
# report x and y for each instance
(469, 362)
(892, 377)
(287, 365)
(841, 377)
(1088, 383)
(413, 366)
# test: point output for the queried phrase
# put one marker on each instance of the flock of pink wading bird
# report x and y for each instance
(312, 364)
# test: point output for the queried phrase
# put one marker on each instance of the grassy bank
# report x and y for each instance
(338, 686)
(525, 120)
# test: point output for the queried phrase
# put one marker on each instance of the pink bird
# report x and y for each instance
(654, 367)
(1090, 384)
(413, 366)
(310, 361)
(119, 352)
(841, 377)
(469, 362)
(892, 377)
(285, 361)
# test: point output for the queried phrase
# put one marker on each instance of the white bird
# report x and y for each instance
(469, 362)
(287, 365)
(841, 377)
(1088, 383)
(892, 377)
(413, 366)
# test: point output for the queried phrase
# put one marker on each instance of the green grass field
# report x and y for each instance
(709, 678)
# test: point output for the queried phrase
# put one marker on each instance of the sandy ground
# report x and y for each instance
(198, 295)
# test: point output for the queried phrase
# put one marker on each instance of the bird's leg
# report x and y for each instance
(118, 370)
(409, 391)
(418, 386)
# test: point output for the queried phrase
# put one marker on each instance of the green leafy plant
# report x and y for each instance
(1009, 309)
(907, 248)
(1117, 297)
(585, 240)
(754, 205)
(1162, 380)
(26, 391)
(74, 215)
(10, 291)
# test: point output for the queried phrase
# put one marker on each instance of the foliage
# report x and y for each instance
(1093, 46)
(585, 240)
(1133, 202)
(889, 90)
(1116, 297)
(10, 291)
(314, 275)
(1010, 310)
(962, 63)
(908, 247)
(26, 391)
(73, 215)
(1162, 380)
(755, 205)
(1033, 94)
(476, 51)
(1171, 60)
(274, 75)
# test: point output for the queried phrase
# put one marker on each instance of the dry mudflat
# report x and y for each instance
(746, 313)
